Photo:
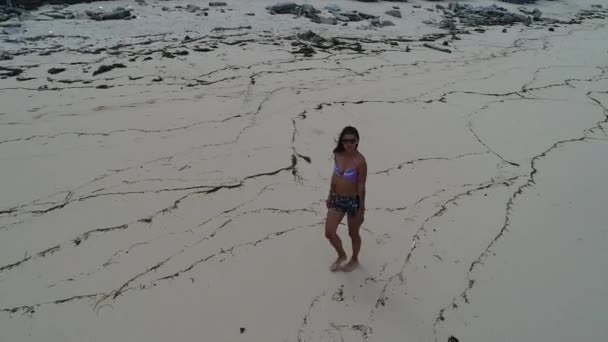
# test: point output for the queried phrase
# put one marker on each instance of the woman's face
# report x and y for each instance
(349, 141)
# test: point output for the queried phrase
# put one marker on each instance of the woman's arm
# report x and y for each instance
(361, 182)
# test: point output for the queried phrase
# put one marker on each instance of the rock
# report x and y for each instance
(106, 68)
(308, 10)
(250, 14)
(488, 15)
(504, 30)
(192, 8)
(551, 29)
(54, 71)
(4, 56)
(520, 2)
(596, 6)
(439, 7)
(452, 339)
(332, 8)
(320, 19)
(417, 6)
(394, 13)
(340, 17)
(4, 17)
(352, 16)
(447, 24)
(381, 23)
(367, 16)
(282, 7)
(311, 37)
(11, 23)
(217, 3)
(117, 14)
(9, 72)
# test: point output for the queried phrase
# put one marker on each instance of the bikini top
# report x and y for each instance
(348, 174)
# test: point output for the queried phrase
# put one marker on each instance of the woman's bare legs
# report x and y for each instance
(354, 225)
(331, 227)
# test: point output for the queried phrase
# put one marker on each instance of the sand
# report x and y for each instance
(184, 199)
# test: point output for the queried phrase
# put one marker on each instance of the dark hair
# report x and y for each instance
(346, 130)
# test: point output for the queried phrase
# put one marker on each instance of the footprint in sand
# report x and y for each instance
(382, 240)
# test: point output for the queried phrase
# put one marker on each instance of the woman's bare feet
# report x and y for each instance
(336, 265)
(351, 265)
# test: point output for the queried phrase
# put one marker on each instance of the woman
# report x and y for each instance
(346, 197)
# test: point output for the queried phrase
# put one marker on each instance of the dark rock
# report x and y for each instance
(199, 49)
(4, 56)
(9, 72)
(551, 29)
(217, 3)
(157, 79)
(106, 68)
(519, 2)
(117, 14)
(10, 24)
(394, 13)
(452, 339)
(282, 7)
(381, 23)
(486, 16)
(447, 24)
(103, 86)
(54, 71)
(332, 8)
(320, 19)
(192, 8)
(311, 37)
(351, 16)
(367, 16)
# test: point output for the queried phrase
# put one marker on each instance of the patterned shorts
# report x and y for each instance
(344, 204)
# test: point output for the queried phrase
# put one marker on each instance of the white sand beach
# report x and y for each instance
(180, 195)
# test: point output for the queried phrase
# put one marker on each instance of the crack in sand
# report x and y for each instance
(508, 212)
(383, 296)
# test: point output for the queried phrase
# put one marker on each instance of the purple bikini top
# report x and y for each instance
(349, 174)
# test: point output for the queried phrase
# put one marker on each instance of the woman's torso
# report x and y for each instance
(345, 175)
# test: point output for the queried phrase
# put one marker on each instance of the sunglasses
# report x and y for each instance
(351, 141)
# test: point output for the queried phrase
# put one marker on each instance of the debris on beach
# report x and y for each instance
(106, 68)
(486, 15)
(333, 15)
(431, 46)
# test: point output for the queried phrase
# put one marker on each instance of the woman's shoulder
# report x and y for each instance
(361, 158)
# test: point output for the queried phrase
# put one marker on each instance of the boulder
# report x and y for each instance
(394, 13)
